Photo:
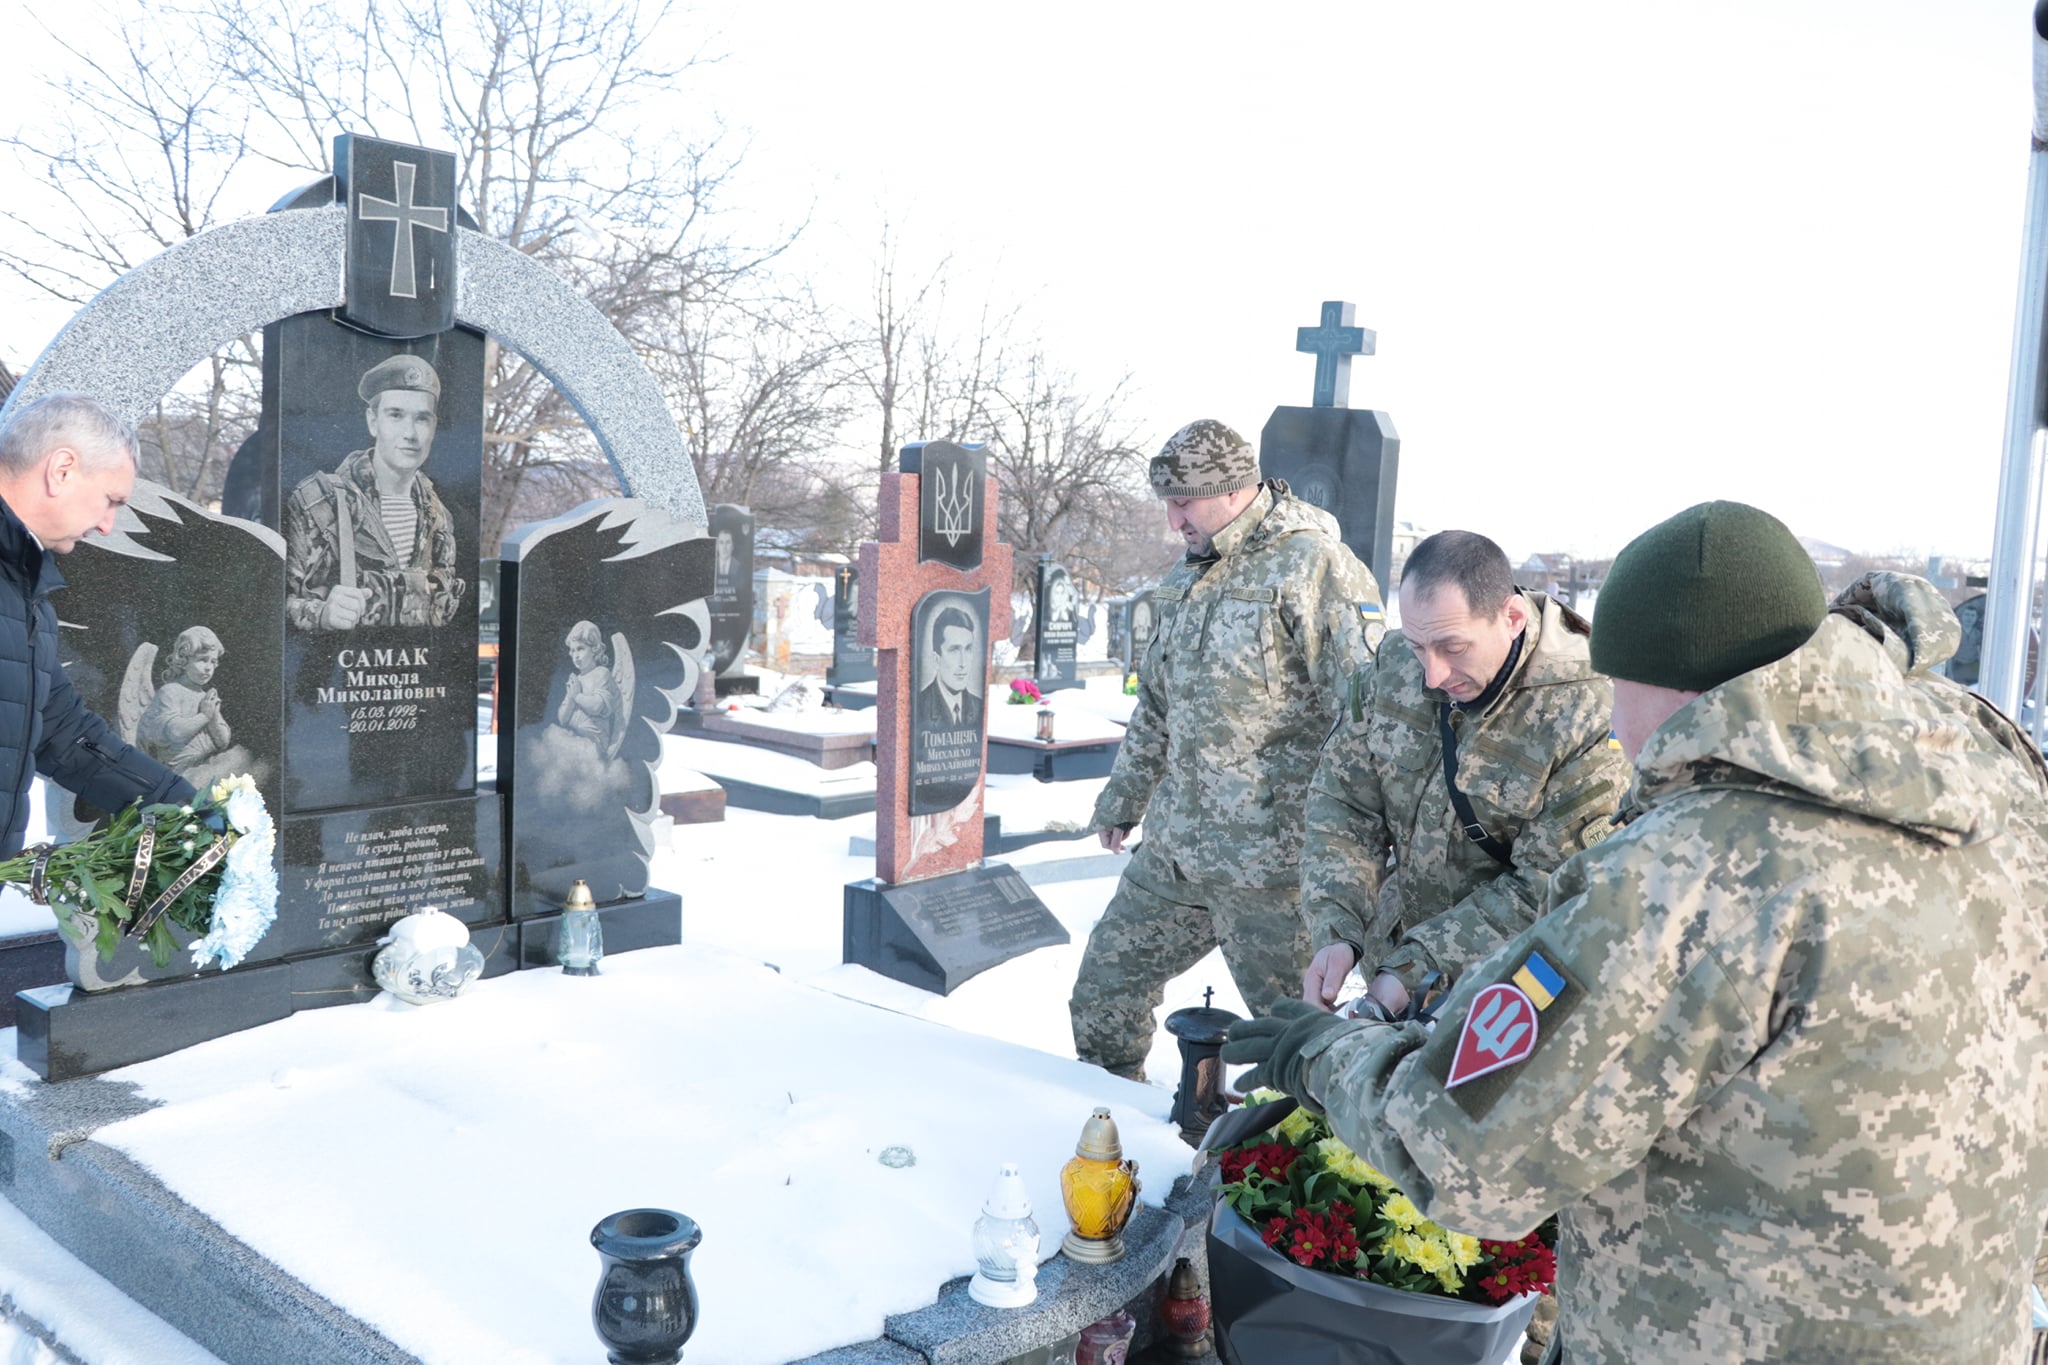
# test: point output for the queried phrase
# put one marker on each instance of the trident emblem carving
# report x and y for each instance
(955, 504)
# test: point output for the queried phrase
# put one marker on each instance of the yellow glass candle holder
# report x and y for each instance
(1099, 1189)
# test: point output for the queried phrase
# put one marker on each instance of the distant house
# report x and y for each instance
(1571, 580)
(1827, 558)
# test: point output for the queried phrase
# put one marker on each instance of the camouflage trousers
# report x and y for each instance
(1157, 926)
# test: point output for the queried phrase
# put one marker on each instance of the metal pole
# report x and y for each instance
(2009, 603)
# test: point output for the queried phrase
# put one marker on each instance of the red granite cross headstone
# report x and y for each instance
(920, 534)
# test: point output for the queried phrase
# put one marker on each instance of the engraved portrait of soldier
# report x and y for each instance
(952, 670)
(370, 543)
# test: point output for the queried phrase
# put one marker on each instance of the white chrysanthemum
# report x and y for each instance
(247, 900)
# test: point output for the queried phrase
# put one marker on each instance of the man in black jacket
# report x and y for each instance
(67, 463)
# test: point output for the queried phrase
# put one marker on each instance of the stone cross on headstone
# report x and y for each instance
(400, 256)
(922, 566)
(1333, 342)
(407, 215)
(1342, 459)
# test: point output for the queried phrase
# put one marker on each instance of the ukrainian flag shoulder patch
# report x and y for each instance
(1540, 981)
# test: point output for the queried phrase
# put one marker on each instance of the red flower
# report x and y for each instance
(1315, 1239)
(1517, 1268)
(1276, 1228)
(1270, 1159)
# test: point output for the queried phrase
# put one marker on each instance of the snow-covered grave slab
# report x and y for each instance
(828, 737)
(420, 1183)
(780, 783)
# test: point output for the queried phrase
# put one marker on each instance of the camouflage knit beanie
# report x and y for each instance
(1710, 594)
(1204, 459)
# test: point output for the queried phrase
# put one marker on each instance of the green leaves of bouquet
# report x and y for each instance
(205, 868)
(1317, 1202)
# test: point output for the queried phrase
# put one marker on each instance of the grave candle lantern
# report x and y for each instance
(1200, 1031)
(579, 938)
(1045, 725)
(1099, 1189)
(1187, 1313)
(1005, 1246)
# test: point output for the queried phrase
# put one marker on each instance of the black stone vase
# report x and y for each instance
(646, 1305)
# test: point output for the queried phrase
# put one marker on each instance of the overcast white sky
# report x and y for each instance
(1620, 257)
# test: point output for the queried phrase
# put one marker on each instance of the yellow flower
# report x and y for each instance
(1401, 1209)
(1450, 1280)
(1430, 1255)
(1350, 1165)
(1465, 1251)
(1405, 1246)
(1297, 1125)
(239, 782)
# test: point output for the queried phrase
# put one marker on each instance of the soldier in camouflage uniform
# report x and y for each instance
(343, 566)
(1776, 1054)
(1259, 629)
(1391, 874)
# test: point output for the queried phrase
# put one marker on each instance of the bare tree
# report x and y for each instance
(148, 138)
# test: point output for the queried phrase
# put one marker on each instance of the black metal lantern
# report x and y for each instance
(1200, 1031)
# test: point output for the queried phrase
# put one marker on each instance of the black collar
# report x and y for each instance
(1499, 684)
(20, 553)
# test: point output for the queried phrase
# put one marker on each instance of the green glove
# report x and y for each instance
(1278, 1043)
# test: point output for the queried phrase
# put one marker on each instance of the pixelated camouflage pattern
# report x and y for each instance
(1204, 459)
(1791, 1108)
(1157, 926)
(416, 586)
(1537, 766)
(1247, 670)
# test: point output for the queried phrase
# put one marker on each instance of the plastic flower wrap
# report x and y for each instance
(1320, 1204)
(205, 868)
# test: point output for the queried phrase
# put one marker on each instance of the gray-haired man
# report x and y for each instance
(67, 464)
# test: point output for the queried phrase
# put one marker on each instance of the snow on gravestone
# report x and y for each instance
(930, 602)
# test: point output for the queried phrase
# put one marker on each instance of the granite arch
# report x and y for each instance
(143, 333)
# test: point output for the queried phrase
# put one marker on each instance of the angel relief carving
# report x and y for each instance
(177, 719)
(597, 702)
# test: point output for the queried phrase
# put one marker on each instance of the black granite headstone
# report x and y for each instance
(381, 465)
(1345, 461)
(1053, 629)
(851, 663)
(1141, 620)
(732, 587)
(937, 933)
(949, 527)
(598, 647)
(949, 681)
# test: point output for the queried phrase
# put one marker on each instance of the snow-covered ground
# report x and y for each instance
(757, 1102)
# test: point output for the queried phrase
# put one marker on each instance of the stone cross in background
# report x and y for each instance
(1344, 460)
(852, 662)
(1333, 342)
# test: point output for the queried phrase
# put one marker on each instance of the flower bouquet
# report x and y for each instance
(205, 868)
(1024, 692)
(1315, 1254)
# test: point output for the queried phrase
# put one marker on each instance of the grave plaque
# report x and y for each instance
(1054, 628)
(732, 588)
(603, 623)
(1140, 621)
(348, 874)
(1344, 460)
(948, 729)
(938, 933)
(852, 662)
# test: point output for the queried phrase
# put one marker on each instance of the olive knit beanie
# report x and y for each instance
(1710, 594)
(1202, 460)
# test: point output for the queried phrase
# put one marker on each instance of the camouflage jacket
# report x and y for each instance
(1244, 677)
(1537, 766)
(414, 587)
(1785, 1071)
